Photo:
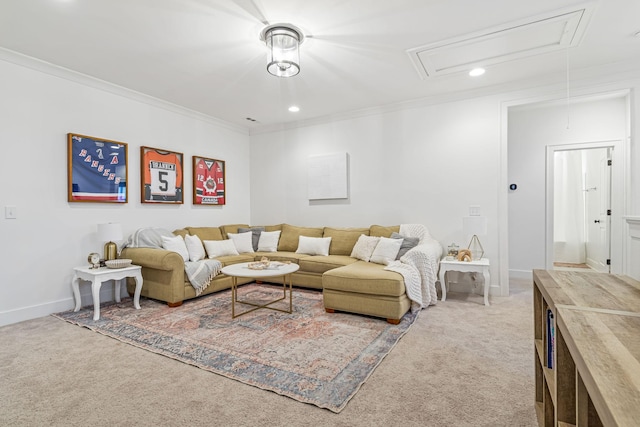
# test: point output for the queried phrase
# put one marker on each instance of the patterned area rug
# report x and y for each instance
(309, 355)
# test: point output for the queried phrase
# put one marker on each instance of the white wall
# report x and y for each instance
(50, 235)
(421, 165)
(531, 130)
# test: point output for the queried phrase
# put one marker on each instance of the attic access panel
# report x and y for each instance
(529, 37)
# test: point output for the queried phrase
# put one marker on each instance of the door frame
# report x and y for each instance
(617, 193)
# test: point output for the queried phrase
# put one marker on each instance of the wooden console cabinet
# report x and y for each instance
(592, 375)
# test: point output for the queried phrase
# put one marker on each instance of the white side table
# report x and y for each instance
(477, 266)
(98, 275)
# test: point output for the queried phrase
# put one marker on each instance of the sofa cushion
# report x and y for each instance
(343, 239)
(206, 233)
(380, 231)
(290, 236)
(242, 241)
(176, 244)
(364, 247)
(231, 228)
(313, 245)
(320, 264)
(281, 256)
(407, 243)
(386, 250)
(277, 227)
(365, 278)
(268, 241)
(218, 248)
(235, 259)
(195, 248)
(181, 232)
(255, 236)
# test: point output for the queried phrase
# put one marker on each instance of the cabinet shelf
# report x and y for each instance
(596, 317)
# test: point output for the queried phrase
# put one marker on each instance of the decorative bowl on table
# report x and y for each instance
(258, 265)
(118, 263)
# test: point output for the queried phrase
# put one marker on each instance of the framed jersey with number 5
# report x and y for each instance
(161, 176)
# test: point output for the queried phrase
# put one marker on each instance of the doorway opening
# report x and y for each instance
(580, 203)
(582, 207)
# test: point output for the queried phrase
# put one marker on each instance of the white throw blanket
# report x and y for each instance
(200, 273)
(419, 267)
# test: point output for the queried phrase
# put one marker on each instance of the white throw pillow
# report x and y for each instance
(268, 241)
(364, 247)
(195, 248)
(313, 245)
(386, 250)
(243, 241)
(216, 248)
(176, 244)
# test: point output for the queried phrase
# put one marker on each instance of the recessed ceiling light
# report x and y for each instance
(294, 108)
(476, 72)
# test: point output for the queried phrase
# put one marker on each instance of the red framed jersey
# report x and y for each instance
(209, 181)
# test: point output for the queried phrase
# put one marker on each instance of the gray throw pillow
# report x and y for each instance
(408, 243)
(255, 237)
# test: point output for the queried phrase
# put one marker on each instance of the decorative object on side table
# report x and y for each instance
(452, 252)
(109, 233)
(94, 260)
(118, 263)
(475, 226)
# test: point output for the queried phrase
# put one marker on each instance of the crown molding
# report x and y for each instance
(550, 83)
(96, 83)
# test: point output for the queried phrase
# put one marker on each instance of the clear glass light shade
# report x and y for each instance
(284, 56)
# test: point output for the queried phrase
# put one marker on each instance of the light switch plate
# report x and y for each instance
(474, 210)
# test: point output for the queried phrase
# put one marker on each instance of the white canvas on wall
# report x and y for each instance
(328, 176)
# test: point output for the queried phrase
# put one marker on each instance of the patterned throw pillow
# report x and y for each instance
(364, 247)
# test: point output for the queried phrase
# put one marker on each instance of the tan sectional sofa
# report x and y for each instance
(348, 284)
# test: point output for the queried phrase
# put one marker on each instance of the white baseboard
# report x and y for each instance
(46, 309)
(521, 274)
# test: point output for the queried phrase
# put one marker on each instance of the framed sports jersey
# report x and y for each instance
(96, 170)
(161, 176)
(209, 185)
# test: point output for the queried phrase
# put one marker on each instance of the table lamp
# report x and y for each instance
(474, 226)
(108, 233)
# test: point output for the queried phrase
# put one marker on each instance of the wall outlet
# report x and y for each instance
(10, 212)
(474, 210)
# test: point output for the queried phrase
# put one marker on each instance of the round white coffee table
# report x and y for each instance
(275, 270)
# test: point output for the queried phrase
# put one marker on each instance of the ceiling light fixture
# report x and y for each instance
(294, 108)
(283, 41)
(476, 72)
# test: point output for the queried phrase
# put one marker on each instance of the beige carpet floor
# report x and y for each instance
(461, 364)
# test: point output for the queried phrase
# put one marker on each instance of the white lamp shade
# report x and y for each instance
(110, 232)
(474, 225)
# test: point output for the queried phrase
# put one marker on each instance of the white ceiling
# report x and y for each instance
(206, 55)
